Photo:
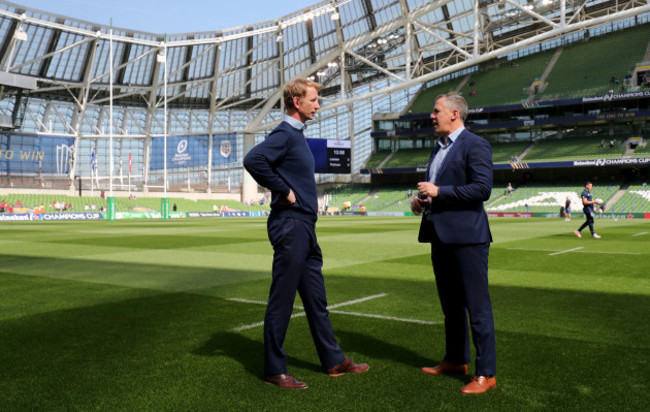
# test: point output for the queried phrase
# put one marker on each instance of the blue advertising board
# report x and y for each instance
(22, 154)
(224, 148)
(182, 151)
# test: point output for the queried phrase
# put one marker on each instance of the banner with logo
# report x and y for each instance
(22, 154)
(182, 151)
(224, 148)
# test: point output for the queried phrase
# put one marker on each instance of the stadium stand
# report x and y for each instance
(390, 199)
(635, 200)
(352, 194)
(546, 199)
(580, 70)
(424, 102)
(506, 84)
(642, 150)
(409, 158)
(376, 159)
(575, 148)
(502, 152)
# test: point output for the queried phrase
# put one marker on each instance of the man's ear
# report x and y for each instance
(296, 102)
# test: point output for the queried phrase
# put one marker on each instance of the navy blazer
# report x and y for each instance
(464, 182)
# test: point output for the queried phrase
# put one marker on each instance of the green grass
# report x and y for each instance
(136, 316)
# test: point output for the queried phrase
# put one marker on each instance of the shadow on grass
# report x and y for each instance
(375, 348)
(248, 352)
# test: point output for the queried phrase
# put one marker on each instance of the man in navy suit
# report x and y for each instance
(459, 180)
(284, 163)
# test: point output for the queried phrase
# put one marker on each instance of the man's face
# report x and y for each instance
(443, 117)
(589, 186)
(307, 106)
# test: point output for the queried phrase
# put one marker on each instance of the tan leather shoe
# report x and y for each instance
(480, 384)
(445, 368)
(284, 381)
(347, 366)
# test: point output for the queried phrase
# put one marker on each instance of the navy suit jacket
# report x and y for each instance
(464, 182)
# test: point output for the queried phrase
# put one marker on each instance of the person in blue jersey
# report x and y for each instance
(567, 209)
(454, 222)
(284, 164)
(588, 208)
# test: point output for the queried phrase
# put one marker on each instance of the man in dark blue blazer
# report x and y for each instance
(458, 181)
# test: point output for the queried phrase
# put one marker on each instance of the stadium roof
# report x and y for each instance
(357, 48)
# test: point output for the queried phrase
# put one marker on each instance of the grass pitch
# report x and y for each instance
(153, 316)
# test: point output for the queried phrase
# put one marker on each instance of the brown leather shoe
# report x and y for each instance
(284, 381)
(347, 366)
(480, 384)
(445, 368)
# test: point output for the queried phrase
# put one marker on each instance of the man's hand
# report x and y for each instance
(290, 199)
(428, 189)
(417, 205)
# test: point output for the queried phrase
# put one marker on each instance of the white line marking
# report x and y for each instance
(565, 251)
(251, 326)
(338, 305)
(352, 302)
(257, 324)
(640, 234)
(372, 315)
(579, 251)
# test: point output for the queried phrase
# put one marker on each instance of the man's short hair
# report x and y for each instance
(455, 101)
(297, 88)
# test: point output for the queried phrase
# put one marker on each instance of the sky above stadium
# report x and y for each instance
(170, 16)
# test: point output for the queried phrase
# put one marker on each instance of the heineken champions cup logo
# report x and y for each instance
(181, 156)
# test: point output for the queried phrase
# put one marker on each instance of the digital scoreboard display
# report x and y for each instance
(331, 156)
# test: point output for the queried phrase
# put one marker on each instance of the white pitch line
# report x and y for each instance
(352, 302)
(251, 326)
(565, 251)
(257, 324)
(577, 251)
(338, 305)
(640, 234)
(372, 315)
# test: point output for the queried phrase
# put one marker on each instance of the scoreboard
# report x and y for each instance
(331, 156)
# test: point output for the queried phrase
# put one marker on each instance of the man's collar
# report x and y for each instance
(295, 123)
(452, 137)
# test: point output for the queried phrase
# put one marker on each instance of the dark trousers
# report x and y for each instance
(589, 222)
(297, 263)
(461, 273)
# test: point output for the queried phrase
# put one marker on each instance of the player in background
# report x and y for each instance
(588, 208)
(567, 209)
